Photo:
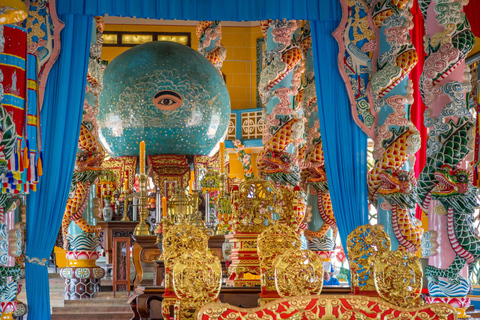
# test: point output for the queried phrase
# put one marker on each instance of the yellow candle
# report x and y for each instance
(164, 206)
(142, 157)
(125, 183)
(222, 157)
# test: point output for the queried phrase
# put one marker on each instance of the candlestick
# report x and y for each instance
(142, 157)
(164, 206)
(142, 228)
(135, 208)
(221, 155)
(157, 207)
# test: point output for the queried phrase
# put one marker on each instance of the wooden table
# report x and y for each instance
(159, 271)
(246, 297)
(145, 250)
(114, 229)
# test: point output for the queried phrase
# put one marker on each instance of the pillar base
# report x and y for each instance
(81, 283)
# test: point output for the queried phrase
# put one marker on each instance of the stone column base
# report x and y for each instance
(81, 283)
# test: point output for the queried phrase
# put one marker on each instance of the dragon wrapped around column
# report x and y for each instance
(209, 35)
(279, 84)
(445, 191)
(391, 183)
(87, 168)
(312, 162)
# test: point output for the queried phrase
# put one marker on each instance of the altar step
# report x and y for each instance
(57, 287)
(103, 306)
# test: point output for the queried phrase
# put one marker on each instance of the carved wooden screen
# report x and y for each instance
(121, 264)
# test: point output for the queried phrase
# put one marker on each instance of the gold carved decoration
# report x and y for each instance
(122, 167)
(197, 279)
(364, 245)
(275, 240)
(179, 239)
(206, 163)
(255, 202)
(183, 208)
(169, 167)
(298, 273)
(398, 278)
(352, 307)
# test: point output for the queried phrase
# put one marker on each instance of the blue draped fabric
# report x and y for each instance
(61, 117)
(344, 143)
(226, 10)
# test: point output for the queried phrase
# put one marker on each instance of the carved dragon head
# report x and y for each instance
(313, 166)
(90, 155)
(280, 166)
(398, 187)
(317, 177)
(453, 189)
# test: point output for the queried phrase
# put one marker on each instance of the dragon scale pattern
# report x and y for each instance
(444, 187)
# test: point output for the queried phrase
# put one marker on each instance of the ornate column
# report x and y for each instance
(392, 183)
(445, 191)
(279, 84)
(11, 241)
(209, 35)
(322, 228)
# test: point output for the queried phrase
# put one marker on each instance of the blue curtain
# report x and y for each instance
(226, 10)
(344, 143)
(61, 117)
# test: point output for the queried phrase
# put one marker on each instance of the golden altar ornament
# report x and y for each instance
(364, 244)
(253, 205)
(274, 241)
(298, 273)
(183, 208)
(197, 279)
(142, 228)
(177, 240)
(398, 278)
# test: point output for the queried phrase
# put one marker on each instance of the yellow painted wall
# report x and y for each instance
(476, 48)
(236, 167)
(239, 66)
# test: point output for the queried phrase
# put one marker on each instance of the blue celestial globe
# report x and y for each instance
(166, 94)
